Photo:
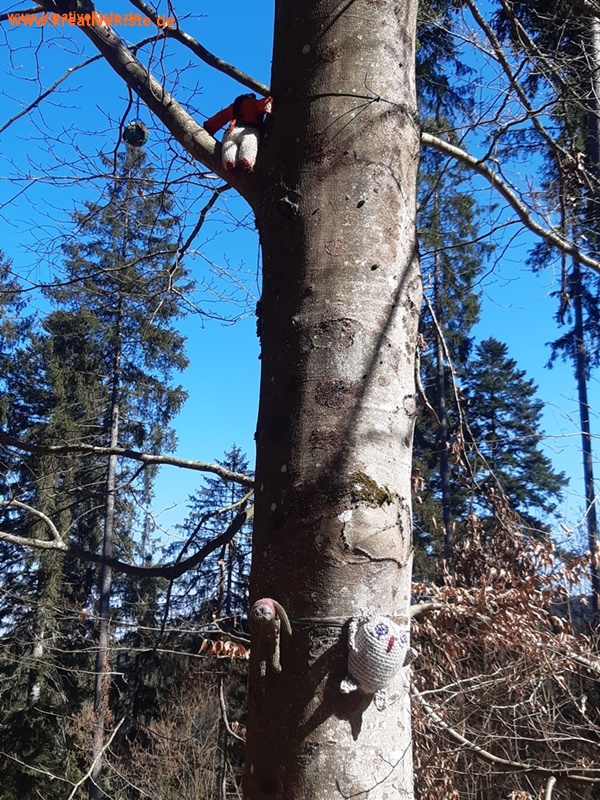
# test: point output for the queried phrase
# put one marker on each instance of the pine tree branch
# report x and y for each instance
(524, 214)
(125, 452)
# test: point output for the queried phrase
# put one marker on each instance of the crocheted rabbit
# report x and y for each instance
(266, 616)
(377, 649)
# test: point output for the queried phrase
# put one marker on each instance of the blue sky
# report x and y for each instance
(64, 136)
(222, 380)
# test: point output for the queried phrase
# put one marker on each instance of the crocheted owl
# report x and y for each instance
(377, 649)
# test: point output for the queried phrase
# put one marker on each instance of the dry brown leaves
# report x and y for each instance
(223, 649)
(502, 664)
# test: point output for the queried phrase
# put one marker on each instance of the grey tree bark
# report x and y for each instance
(338, 322)
(102, 667)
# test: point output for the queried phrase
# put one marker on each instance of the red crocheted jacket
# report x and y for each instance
(245, 110)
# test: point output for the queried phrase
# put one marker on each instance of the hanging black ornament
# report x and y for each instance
(136, 133)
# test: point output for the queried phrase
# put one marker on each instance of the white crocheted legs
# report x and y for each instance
(240, 147)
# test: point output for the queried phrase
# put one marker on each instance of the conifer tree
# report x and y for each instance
(504, 419)
(451, 261)
(104, 359)
(452, 258)
(562, 42)
(219, 587)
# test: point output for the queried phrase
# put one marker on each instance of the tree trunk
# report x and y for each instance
(442, 439)
(586, 433)
(338, 322)
(102, 670)
(49, 581)
(593, 138)
(581, 359)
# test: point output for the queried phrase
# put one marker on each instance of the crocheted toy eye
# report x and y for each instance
(381, 629)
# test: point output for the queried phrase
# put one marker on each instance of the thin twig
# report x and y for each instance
(223, 705)
(503, 764)
(48, 91)
(95, 761)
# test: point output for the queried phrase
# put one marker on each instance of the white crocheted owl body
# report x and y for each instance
(377, 649)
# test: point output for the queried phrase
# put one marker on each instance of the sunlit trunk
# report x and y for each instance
(338, 323)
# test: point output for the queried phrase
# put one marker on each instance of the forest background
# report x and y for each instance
(60, 155)
(517, 305)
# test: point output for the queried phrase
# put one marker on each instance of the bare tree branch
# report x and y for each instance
(503, 764)
(524, 214)
(169, 571)
(549, 787)
(57, 541)
(49, 91)
(194, 45)
(422, 608)
(88, 774)
(201, 219)
(500, 56)
(34, 10)
(185, 129)
(224, 717)
(134, 455)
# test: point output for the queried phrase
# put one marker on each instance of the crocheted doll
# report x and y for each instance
(266, 616)
(377, 648)
(240, 143)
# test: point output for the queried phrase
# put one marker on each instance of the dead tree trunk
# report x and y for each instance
(338, 323)
(102, 669)
(581, 356)
(443, 430)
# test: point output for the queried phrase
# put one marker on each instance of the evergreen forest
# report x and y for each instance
(131, 665)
